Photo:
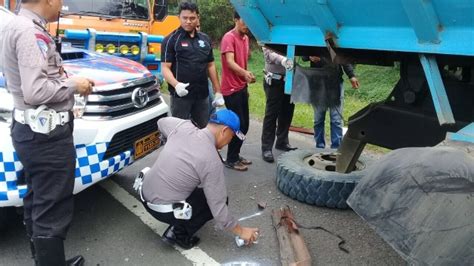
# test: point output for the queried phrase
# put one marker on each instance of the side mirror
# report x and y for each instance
(160, 10)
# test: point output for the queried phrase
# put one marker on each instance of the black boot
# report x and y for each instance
(33, 251)
(50, 252)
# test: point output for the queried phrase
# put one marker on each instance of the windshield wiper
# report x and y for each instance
(134, 16)
(99, 14)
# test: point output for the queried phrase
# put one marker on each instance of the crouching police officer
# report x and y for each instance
(185, 187)
(42, 127)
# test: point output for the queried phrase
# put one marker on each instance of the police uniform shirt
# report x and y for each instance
(32, 66)
(188, 160)
(273, 62)
(189, 58)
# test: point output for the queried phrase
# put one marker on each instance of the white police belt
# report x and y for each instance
(269, 76)
(183, 212)
(41, 120)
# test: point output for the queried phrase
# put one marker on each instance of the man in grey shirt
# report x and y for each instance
(278, 108)
(37, 81)
(190, 169)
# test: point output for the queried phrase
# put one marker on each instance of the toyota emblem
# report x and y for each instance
(140, 97)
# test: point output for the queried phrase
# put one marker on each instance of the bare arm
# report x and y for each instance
(249, 77)
(168, 75)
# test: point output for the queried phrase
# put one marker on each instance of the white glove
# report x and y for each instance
(181, 89)
(218, 100)
(287, 63)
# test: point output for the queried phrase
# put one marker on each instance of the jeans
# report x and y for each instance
(335, 115)
(212, 109)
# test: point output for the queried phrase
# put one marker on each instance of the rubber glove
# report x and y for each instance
(181, 89)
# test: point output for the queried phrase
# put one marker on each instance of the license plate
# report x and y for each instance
(147, 144)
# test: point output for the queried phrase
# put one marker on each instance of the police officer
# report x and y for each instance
(187, 63)
(42, 127)
(185, 187)
(278, 108)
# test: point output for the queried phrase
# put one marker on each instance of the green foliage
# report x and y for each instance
(216, 18)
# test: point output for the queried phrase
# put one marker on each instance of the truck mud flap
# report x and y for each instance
(420, 201)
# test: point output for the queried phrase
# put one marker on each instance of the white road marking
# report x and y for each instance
(196, 255)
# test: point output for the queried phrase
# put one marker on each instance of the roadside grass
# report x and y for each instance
(376, 83)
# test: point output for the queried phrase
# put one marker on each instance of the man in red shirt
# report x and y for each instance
(235, 76)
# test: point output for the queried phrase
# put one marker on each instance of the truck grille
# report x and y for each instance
(125, 140)
(115, 102)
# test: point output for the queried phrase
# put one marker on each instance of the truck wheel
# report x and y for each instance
(310, 177)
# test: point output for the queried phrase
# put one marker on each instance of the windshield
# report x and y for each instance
(131, 9)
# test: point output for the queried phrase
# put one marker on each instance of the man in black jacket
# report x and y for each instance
(335, 108)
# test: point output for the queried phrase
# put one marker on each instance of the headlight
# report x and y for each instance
(124, 49)
(135, 50)
(99, 48)
(110, 48)
(151, 50)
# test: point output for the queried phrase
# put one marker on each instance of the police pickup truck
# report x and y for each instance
(118, 124)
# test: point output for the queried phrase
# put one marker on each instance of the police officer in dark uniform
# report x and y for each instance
(187, 63)
(42, 127)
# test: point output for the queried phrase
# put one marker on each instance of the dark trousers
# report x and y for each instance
(278, 115)
(187, 228)
(48, 165)
(196, 110)
(238, 102)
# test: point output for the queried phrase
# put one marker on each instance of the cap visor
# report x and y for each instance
(240, 135)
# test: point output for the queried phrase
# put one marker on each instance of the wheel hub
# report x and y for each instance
(326, 161)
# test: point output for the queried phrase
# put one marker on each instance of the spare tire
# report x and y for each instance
(309, 176)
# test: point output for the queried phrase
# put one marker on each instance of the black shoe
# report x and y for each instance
(286, 147)
(268, 156)
(188, 242)
(76, 261)
(169, 237)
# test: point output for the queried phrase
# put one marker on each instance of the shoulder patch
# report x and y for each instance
(43, 42)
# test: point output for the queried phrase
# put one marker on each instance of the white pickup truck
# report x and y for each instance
(119, 124)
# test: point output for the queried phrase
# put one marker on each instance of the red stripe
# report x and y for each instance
(42, 37)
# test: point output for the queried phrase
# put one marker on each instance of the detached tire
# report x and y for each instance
(310, 177)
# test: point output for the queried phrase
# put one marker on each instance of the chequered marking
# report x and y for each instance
(90, 168)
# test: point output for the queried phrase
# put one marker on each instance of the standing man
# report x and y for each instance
(278, 106)
(235, 53)
(335, 111)
(185, 187)
(187, 63)
(42, 128)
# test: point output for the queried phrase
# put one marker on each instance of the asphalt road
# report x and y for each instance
(111, 228)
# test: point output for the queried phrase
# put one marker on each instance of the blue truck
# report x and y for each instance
(432, 105)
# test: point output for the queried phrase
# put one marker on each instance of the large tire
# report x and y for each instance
(300, 181)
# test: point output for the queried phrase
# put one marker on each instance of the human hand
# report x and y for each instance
(83, 85)
(315, 59)
(249, 77)
(181, 89)
(218, 100)
(355, 83)
(249, 235)
(287, 63)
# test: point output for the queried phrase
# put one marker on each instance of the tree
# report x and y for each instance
(216, 18)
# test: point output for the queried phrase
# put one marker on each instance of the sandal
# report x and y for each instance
(236, 166)
(244, 161)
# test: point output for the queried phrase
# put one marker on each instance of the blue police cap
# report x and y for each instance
(228, 118)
